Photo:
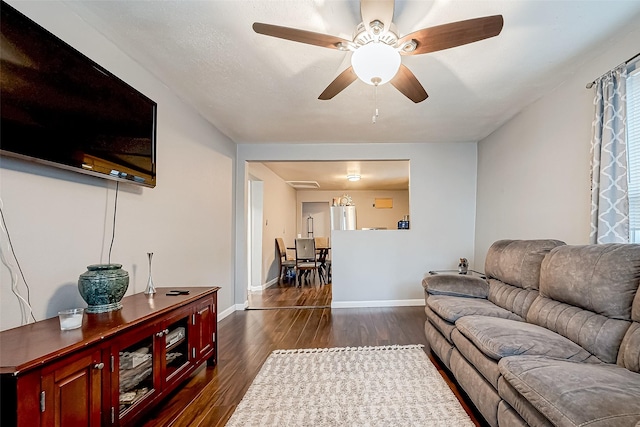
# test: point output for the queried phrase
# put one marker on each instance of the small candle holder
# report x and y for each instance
(150, 290)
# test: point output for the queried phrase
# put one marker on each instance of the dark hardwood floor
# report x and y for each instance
(288, 295)
(246, 338)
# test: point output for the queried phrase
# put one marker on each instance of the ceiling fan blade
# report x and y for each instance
(339, 84)
(407, 83)
(301, 36)
(382, 10)
(445, 36)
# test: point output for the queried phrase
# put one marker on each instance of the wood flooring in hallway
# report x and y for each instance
(246, 338)
(288, 295)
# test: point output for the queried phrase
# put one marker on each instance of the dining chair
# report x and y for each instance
(286, 264)
(306, 261)
(321, 242)
(324, 266)
(324, 263)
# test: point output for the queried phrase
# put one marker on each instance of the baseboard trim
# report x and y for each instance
(225, 313)
(264, 286)
(379, 303)
(228, 311)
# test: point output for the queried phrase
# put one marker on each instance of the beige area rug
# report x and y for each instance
(364, 386)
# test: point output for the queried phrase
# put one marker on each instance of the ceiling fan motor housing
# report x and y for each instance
(363, 36)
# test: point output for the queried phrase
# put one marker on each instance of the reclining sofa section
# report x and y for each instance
(551, 338)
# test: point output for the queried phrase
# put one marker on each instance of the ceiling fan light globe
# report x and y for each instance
(375, 63)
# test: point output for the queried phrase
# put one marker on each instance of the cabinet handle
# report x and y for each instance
(166, 331)
(160, 334)
(99, 365)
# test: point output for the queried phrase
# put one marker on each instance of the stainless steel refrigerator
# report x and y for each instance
(343, 217)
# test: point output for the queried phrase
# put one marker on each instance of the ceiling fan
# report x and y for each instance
(377, 48)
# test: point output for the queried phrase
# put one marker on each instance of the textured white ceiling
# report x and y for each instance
(257, 89)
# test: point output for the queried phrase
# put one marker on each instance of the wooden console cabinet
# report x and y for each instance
(114, 368)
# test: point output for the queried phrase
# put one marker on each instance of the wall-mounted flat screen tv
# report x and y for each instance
(60, 108)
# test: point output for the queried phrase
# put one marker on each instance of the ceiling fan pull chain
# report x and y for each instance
(375, 104)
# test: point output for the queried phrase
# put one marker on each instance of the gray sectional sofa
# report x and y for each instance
(551, 338)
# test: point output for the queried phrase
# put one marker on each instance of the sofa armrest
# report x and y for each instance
(457, 285)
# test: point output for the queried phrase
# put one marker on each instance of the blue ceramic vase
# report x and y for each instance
(102, 286)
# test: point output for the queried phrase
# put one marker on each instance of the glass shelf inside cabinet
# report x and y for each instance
(177, 347)
(136, 374)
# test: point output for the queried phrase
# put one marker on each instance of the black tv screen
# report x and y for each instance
(60, 108)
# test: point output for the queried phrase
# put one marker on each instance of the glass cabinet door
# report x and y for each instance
(136, 374)
(176, 343)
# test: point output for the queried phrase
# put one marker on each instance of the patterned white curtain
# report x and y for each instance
(609, 198)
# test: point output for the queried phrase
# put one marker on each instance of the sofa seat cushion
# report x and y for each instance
(576, 394)
(487, 366)
(444, 327)
(525, 410)
(498, 338)
(438, 344)
(629, 355)
(452, 308)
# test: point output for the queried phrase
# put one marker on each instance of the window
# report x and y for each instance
(633, 150)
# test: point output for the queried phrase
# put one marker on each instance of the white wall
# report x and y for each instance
(278, 215)
(60, 221)
(386, 268)
(367, 215)
(534, 172)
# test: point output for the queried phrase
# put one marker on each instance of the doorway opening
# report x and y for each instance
(299, 198)
(274, 213)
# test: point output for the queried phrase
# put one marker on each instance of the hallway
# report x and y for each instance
(312, 294)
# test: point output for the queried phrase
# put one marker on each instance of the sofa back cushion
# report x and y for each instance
(512, 298)
(586, 295)
(517, 262)
(629, 355)
(513, 271)
(600, 278)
